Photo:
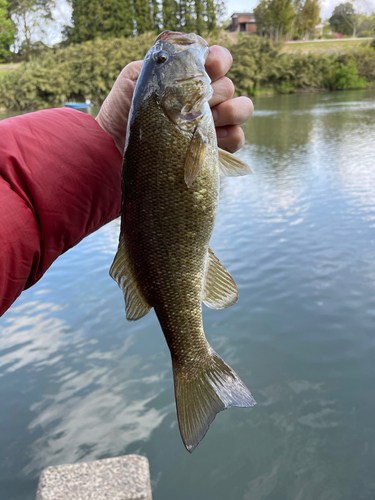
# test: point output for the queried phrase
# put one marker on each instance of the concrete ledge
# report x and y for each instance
(121, 478)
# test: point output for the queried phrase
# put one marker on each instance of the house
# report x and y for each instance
(243, 22)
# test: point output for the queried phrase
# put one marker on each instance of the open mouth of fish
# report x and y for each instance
(181, 41)
(195, 77)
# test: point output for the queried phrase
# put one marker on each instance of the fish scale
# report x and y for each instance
(170, 190)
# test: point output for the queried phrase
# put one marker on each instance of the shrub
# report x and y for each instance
(365, 62)
(88, 71)
(346, 77)
(255, 63)
(85, 71)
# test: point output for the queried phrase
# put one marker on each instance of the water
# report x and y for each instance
(80, 383)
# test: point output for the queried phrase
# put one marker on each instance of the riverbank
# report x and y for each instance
(260, 67)
(322, 46)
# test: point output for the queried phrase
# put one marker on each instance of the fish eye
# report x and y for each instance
(161, 56)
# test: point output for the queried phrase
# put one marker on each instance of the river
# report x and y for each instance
(78, 382)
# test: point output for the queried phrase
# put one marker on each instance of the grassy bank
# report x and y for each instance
(261, 67)
(88, 71)
(338, 46)
(5, 68)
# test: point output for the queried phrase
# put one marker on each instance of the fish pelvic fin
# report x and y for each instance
(136, 306)
(231, 166)
(219, 288)
(199, 397)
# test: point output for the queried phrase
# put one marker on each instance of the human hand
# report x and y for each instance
(228, 113)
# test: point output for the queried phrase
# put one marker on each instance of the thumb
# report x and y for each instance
(114, 112)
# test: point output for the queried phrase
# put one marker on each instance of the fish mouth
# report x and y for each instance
(195, 77)
(183, 41)
(178, 38)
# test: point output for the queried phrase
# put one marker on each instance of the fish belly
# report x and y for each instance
(167, 226)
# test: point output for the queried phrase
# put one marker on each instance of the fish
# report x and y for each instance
(170, 193)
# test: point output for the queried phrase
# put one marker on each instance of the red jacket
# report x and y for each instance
(59, 181)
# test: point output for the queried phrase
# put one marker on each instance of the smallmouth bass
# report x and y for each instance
(170, 191)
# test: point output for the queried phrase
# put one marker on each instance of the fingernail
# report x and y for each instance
(221, 132)
(215, 115)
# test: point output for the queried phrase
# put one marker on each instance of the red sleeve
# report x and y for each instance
(59, 181)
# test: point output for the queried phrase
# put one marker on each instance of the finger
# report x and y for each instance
(230, 138)
(218, 62)
(130, 72)
(233, 111)
(223, 90)
(113, 114)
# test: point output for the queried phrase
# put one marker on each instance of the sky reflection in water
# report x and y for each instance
(78, 382)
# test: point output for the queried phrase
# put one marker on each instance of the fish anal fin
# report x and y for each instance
(231, 166)
(136, 306)
(219, 288)
(195, 156)
(201, 396)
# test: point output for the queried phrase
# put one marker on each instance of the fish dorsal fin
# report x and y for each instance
(195, 156)
(219, 288)
(231, 166)
(136, 306)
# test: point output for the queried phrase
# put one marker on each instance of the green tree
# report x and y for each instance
(366, 24)
(310, 17)
(200, 16)
(255, 64)
(142, 16)
(7, 31)
(115, 18)
(275, 17)
(155, 16)
(296, 26)
(344, 20)
(199, 8)
(30, 17)
(215, 10)
(170, 17)
(283, 13)
(101, 19)
(263, 17)
(186, 17)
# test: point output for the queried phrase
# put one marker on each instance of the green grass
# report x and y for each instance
(324, 47)
(4, 68)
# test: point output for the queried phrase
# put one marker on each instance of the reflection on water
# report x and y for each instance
(77, 382)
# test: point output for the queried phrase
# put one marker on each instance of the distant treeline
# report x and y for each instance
(88, 71)
(124, 18)
(24, 24)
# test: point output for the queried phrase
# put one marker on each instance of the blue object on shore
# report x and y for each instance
(77, 105)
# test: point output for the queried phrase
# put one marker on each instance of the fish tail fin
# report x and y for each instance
(199, 397)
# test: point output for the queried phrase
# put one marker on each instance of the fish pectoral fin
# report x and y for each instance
(195, 156)
(231, 166)
(219, 288)
(136, 306)
(199, 397)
